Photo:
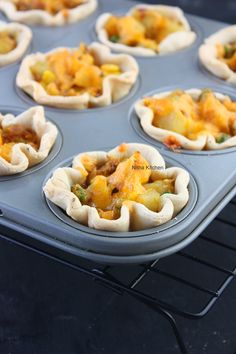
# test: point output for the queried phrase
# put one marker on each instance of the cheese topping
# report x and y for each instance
(117, 181)
(7, 42)
(15, 134)
(66, 73)
(52, 7)
(180, 113)
(144, 27)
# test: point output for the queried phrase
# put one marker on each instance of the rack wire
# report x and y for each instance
(188, 283)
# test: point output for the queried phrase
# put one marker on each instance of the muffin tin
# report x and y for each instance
(213, 174)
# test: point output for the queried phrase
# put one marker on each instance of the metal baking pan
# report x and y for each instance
(40, 241)
(24, 208)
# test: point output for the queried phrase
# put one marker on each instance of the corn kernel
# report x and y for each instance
(110, 69)
(48, 77)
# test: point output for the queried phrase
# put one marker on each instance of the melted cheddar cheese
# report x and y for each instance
(15, 134)
(7, 42)
(108, 186)
(66, 73)
(144, 27)
(180, 113)
(52, 7)
(227, 54)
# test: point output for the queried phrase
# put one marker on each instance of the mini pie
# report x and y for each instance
(218, 54)
(146, 30)
(47, 12)
(126, 189)
(25, 140)
(14, 41)
(79, 78)
(192, 119)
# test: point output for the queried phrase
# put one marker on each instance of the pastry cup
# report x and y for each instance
(207, 142)
(171, 43)
(134, 216)
(208, 54)
(25, 156)
(23, 38)
(41, 17)
(115, 87)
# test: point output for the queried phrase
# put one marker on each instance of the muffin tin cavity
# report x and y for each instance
(136, 125)
(53, 153)
(193, 25)
(193, 195)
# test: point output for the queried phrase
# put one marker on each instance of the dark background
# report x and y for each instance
(46, 308)
(221, 10)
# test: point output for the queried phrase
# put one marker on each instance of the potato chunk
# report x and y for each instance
(130, 175)
(161, 186)
(213, 111)
(7, 42)
(100, 193)
(150, 198)
(88, 76)
(175, 113)
(130, 31)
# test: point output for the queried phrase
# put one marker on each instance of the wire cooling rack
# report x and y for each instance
(187, 284)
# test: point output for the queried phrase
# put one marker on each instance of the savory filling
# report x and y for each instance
(15, 134)
(227, 54)
(8, 42)
(180, 113)
(53, 7)
(108, 186)
(66, 73)
(144, 28)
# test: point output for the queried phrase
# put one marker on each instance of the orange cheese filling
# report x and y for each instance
(108, 186)
(144, 27)
(66, 73)
(180, 113)
(227, 54)
(15, 134)
(7, 42)
(52, 7)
